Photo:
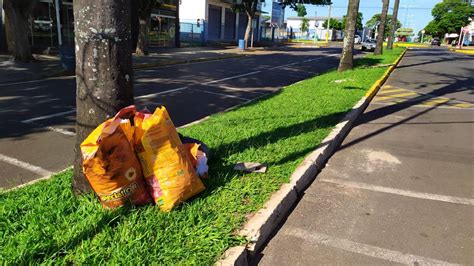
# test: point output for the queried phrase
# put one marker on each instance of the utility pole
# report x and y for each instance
(329, 24)
(58, 23)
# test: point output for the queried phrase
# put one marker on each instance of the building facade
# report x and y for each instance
(200, 21)
(293, 24)
(216, 20)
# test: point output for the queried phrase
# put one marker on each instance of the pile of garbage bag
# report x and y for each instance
(138, 157)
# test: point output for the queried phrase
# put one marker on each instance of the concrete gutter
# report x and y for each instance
(259, 229)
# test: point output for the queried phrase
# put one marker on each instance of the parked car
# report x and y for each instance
(357, 39)
(42, 24)
(436, 42)
(369, 45)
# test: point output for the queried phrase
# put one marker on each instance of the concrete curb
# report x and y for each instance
(463, 51)
(61, 73)
(260, 227)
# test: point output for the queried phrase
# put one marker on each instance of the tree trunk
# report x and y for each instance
(104, 81)
(347, 56)
(391, 36)
(248, 30)
(143, 31)
(177, 28)
(18, 13)
(381, 31)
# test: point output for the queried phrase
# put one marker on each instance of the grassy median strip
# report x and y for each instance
(45, 223)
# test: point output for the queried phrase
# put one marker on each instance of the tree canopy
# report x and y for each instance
(333, 24)
(359, 24)
(294, 3)
(301, 10)
(448, 17)
(388, 23)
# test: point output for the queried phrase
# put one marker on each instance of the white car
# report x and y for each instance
(368, 45)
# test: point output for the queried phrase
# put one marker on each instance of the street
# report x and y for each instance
(38, 117)
(400, 187)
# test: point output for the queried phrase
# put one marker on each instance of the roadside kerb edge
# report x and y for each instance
(261, 226)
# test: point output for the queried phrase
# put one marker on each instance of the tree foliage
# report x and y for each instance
(375, 20)
(304, 25)
(333, 24)
(301, 10)
(294, 3)
(448, 17)
(359, 24)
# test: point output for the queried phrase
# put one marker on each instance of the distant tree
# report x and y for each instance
(144, 13)
(304, 25)
(359, 24)
(249, 7)
(18, 13)
(347, 57)
(301, 10)
(333, 24)
(381, 36)
(294, 3)
(448, 17)
(393, 25)
(388, 23)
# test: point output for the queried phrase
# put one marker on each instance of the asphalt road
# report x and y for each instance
(37, 128)
(400, 189)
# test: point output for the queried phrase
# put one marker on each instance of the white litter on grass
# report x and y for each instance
(342, 80)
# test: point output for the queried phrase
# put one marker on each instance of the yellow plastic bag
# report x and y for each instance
(165, 162)
(110, 163)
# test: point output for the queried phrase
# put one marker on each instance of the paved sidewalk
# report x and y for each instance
(400, 189)
(50, 66)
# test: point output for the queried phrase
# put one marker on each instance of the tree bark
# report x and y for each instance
(347, 56)
(248, 29)
(104, 75)
(143, 30)
(381, 32)
(18, 13)
(177, 28)
(391, 36)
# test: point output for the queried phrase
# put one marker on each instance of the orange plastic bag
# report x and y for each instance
(110, 163)
(165, 162)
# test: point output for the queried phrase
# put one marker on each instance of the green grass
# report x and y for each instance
(45, 223)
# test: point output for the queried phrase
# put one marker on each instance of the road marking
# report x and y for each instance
(237, 89)
(48, 116)
(25, 165)
(233, 77)
(363, 249)
(36, 81)
(423, 106)
(390, 90)
(436, 101)
(225, 95)
(382, 98)
(401, 192)
(151, 95)
(62, 131)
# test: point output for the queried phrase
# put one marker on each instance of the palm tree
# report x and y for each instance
(381, 31)
(348, 47)
(391, 36)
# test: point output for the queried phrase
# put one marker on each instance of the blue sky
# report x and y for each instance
(416, 16)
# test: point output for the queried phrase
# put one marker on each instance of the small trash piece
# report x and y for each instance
(251, 167)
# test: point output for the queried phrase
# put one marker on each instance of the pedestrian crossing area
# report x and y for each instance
(393, 95)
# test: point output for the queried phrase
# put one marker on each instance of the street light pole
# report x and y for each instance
(329, 23)
(422, 34)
